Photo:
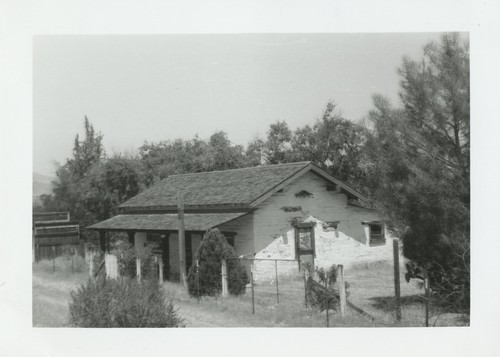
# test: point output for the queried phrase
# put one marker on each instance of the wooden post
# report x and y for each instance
(326, 302)
(277, 287)
(138, 268)
(182, 239)
(342, 292)
(253, 294)
(397, 288)
(54, 259)
(72, 262)
(305, 287)
(160, 268)
(111, 265)
(91, 265)
(225, 291)
(198, 280)
(427, 297)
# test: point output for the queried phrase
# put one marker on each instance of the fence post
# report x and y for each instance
(198, 280)
(342, 292)
(427, 297)
(305, 288)
(138, 268)
(277, 287)
(253, 294)
(111, 265)
(326, 301)
(225, 292)
(53, 259)
(72, 262)
(395, 246)
(160, 268)
(91, 265)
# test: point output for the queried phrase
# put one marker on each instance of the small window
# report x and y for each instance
(377, 236)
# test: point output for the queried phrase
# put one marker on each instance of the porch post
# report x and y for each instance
(182, 246)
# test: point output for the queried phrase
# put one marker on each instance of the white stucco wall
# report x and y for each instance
(274, 234)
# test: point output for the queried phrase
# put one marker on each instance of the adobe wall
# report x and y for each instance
(244, 228)
(274, 233)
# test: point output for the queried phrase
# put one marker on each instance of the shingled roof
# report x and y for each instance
(238, 187)
(164, 222)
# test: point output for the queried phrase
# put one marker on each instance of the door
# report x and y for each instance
(304, 243)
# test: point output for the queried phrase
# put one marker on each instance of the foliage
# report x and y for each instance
(121, 303)
(127, 254)
(108, 184)
(207, 280)
(327, 275)
(91, 186)
(180, 156)
(278, 145)
(321, 296)
(420, 168)
(333, 143)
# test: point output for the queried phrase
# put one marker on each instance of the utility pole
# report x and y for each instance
(182, 239)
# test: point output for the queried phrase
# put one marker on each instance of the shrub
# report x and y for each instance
(121, 303)
(321, 297)
(127, 254)
(214, 247)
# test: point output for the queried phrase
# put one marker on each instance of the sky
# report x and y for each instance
(136, 88)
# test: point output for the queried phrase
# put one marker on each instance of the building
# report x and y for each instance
(294, 211)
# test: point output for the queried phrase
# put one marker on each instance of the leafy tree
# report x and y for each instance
(109, 184)
(86, 153)
(207, 281)
(221, 154)
(278, 145)
(254, 153)
(333, 143)
(180, 156)
(420, 166)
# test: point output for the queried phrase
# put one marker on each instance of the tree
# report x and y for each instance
(420, 166)
(254, 153)
(109, 184)
(333, 143)
(214, 247)
(185, 156)
(278, 146)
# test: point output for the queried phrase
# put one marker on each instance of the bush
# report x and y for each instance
(214, 247)
(321, 297)
(127, 254)
(121, 303)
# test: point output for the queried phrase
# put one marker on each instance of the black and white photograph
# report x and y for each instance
(254, 180)
(257, 186)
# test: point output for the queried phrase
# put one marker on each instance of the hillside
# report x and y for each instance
(42, 184)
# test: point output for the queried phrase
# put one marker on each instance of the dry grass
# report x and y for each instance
(51, 290)
(372, 289)
(236, 311)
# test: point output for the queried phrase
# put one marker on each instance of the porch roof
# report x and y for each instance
(164, 222)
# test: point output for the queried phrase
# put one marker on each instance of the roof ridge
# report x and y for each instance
(241, 169)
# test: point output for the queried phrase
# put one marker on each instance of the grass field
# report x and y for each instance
(371, 288)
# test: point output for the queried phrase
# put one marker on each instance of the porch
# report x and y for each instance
(164, 230)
